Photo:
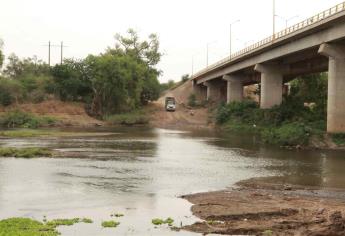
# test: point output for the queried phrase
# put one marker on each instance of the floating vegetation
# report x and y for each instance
(110, 224)
(25, 152)
(86, 221)
(68, 222)
(157, 221)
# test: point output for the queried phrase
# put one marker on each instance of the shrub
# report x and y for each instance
(192, 100)
(287, 135)
(339, 138)
(25, 120)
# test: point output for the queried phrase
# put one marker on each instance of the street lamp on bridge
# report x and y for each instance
(230, 42)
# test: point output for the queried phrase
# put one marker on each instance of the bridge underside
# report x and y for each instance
(274, 73)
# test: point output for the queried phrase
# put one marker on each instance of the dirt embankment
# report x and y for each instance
(261, 208)
(184, 117)
(67, 113)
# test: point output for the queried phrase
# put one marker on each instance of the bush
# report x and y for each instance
(192, 100)
(287, 135)
(339, 138)
(20, 119)
(133, 118)
(234, 110)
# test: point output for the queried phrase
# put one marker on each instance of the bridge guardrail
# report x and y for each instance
(269, 40)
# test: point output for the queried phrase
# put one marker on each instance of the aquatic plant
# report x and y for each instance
(27, 227)
(58, 222)
(25, 152)
(158, 221)
(110, 224)
(86, 221)
(118, 215)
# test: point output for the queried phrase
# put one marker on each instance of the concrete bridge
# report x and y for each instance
(314, 45)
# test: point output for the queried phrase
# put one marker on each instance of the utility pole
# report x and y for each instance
(230, 41)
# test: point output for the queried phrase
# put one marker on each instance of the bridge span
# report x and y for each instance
(314, 45)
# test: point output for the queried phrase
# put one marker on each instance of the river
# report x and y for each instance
(140, 172)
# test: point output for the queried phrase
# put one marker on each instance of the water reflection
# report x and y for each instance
(140, 171)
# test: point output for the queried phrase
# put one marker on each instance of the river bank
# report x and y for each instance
(262, 207)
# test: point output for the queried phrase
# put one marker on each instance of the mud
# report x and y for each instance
(258, 207)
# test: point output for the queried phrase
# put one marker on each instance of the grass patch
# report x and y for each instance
(157, 221)
(25, 152)
(20, 119)
(339, 139)
(110, 224)
(134, 118)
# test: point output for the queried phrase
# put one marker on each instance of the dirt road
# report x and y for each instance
(184, 116)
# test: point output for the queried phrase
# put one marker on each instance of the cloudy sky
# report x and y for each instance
(184, 27)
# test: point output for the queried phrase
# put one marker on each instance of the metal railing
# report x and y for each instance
(270, 40)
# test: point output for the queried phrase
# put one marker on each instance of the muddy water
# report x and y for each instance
(140, 172)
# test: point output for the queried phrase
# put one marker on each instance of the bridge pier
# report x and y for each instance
(200, 91)
(215, 90)
(336, 87)
(234, 88)
(271, 85)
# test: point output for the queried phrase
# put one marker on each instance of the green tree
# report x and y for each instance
(2, 57)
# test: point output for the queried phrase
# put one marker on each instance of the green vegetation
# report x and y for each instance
(86, 221)
(118, 215)
(29, 227)
(20, 119)
(24, 152)
(26, 227)
(192, 102)
(59, 222)
(110, 224)
(289, 124)
(138, 117)
(158, 221)
(267, 233)
(339, 139)
(122, 79)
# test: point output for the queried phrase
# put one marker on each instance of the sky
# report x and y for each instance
(184, 27)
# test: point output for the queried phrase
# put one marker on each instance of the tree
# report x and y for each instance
(2, 57)
(147, 51)
(72, 80)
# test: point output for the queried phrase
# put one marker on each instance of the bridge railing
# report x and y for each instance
(271, 39)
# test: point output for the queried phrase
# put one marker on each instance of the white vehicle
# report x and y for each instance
(170, 104)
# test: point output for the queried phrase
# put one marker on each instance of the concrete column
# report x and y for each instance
(271, 85)
(213, 91)
(234, 88)
(199, 90)
(336, 87)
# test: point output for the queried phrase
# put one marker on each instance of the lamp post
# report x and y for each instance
(274, 20)
(286, 20)
(230, 41)
(207, 47)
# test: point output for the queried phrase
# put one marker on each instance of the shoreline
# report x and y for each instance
(257, 207)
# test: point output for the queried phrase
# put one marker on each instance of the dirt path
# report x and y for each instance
(184, 117)
(261, 208)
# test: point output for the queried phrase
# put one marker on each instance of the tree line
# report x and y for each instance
(121, 79)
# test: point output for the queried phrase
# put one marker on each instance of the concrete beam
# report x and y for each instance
(298, 45)
(234, 88)
(336, 87)
(271, 85)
